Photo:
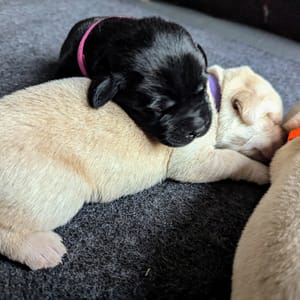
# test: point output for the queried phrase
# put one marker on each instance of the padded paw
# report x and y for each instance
(42, 250)
(261, 174)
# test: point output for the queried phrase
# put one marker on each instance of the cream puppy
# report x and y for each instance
(57, 154)
(267, 259)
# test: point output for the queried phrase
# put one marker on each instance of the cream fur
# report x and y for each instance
(58, 153)
(259, 110)
(267, 259)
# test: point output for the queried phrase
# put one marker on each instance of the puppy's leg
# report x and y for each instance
(38, 195)
(35, 249)
(26, 226)
(214, 165)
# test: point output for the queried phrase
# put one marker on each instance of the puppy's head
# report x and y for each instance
(250, 114)
(163, 84)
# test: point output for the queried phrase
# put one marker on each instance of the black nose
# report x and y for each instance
(197, 133)
(190, 136)
(194, 134)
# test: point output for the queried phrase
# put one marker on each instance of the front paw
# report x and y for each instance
(259, 173)
(251, 170)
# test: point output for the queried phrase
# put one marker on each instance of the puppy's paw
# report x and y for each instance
(259, 173)
(42, 250)
(251, 170)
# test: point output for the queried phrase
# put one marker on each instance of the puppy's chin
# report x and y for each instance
(179, 138)
(170, 140)
(175, 143)
(265, 154)
(259, 156)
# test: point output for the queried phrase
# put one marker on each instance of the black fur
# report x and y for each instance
(150, 67)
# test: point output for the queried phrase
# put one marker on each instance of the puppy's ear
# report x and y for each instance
(203, 53)
(250, 108)
(218, 72)
(292, 118)
(104, 88)
(292, 123)
(247, 108)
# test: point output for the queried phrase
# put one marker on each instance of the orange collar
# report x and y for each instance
(294, 133)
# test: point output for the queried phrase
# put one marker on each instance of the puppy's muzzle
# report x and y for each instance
(266, 149)
(185, 129)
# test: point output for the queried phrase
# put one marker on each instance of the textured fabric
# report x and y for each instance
(171, 241)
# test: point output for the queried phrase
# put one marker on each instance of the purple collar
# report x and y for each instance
(215, 90)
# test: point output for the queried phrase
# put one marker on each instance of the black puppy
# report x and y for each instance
(150, 67)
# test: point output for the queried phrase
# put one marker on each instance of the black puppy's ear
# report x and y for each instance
(104, 88)
(203, 53)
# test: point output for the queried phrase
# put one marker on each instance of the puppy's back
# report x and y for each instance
(267, 260)
(51, 125)
(58, 111)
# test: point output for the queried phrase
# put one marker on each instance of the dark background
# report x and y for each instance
(278, 16)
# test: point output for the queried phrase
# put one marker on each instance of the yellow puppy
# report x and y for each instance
(57, 153)
(267, 260)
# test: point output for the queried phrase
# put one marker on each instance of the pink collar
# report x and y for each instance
(80, 54)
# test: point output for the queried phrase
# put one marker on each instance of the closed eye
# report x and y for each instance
(165, 104)
(199, 90)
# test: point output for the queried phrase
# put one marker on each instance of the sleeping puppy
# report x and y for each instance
(150, 67)
(267, 259)
(58, 153)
